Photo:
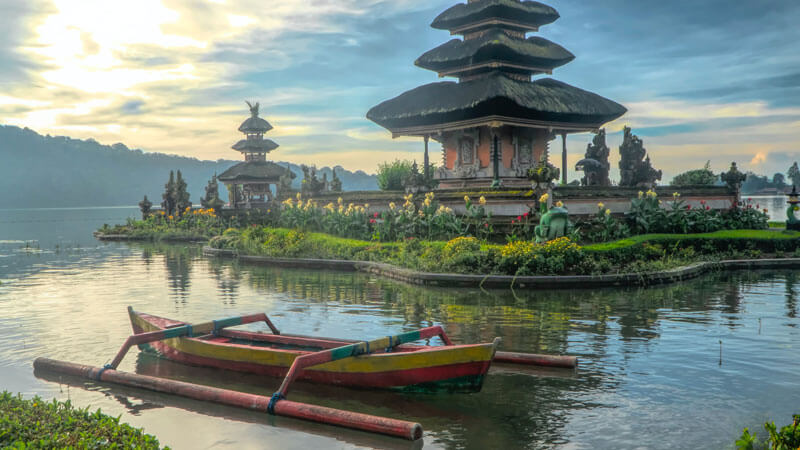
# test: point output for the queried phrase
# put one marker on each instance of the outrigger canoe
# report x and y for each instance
(460, 368)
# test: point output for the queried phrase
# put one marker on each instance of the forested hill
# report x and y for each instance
(44, 172)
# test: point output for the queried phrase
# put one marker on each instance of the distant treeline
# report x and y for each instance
(54, 171)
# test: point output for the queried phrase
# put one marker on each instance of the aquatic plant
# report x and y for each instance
(35, 423)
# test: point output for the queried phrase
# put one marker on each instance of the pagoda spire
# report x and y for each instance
(255, 147)
(495, 123)
(494, 34)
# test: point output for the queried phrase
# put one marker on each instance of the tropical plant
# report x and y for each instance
(393, 175)
(787, 438)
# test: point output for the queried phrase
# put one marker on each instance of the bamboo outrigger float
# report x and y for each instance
(388, 362)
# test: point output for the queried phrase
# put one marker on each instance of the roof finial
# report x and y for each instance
(253, 108)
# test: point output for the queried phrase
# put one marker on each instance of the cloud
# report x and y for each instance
(171, 75)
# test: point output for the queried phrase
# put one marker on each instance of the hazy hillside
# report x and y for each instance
(45, 171)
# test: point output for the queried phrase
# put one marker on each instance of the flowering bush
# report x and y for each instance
(478, 218)
(557, 256)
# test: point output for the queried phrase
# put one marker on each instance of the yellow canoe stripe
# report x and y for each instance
(384, 362)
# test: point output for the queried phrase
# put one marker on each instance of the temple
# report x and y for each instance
(495, 123)
(249, 182)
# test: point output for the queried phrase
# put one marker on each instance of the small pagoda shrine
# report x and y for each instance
(249, 182)
(495, 123)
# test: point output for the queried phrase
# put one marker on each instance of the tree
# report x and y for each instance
(794, 174)
(169, 195)
(697, 177)
(779, 180)
(182, 198)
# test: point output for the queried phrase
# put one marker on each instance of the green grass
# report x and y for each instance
(777, 225)
(644, 253)
(34, 423)
(725, 235)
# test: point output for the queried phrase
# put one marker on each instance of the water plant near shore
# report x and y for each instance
(787, 438)
(35, 423)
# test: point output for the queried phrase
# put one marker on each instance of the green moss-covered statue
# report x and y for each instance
(554, 221)
(792, 222)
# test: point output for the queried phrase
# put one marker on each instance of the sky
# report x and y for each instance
(715, 80)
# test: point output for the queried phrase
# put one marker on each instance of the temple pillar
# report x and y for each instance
(426, 162)
(495, 153)
(564, 159)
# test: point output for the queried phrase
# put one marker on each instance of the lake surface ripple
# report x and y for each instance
(680, 366)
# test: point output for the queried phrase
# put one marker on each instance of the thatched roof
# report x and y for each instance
(255, 145)
(496, 46)
(544, 100)
(266, 171)
(255, 124)
(529, 14)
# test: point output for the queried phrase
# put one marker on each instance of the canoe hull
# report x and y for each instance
(430, 369)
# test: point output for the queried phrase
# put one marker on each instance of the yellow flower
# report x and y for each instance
(427, 202)
(608, 212)
(466, 199)
(641, 194)
(675, 195)
(188, 208)
(601, 205)
(651, 193)
(339, 200)
(392, 206)
(299, 196)
(421, 213)
(163, 213)
(482, 200)
(366, 205)
(170, 217)
(560, 204)
(544, 198)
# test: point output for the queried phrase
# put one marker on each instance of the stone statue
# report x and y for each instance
(212, 190)
(553, 224)
(792, 223)
(733, 178)
(253, 108)
(285, 184)
(145, 206)
(634, 165)
(595, 165)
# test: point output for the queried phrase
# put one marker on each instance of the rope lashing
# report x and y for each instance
(276, 397)
(103, 369)
(389, 348)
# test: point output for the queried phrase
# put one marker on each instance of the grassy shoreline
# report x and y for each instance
(35, 423)
(639, 254)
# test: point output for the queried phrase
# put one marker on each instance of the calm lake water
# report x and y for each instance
(651, 374)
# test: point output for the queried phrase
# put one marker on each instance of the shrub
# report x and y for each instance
(35, 423)
(788, 437)
(391, 176)
(697, 177)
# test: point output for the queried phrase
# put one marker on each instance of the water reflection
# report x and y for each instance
(178, 261)
(791, 294)
(649, 357)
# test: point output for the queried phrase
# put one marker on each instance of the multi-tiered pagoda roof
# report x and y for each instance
(254, 147)
(494, 64)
